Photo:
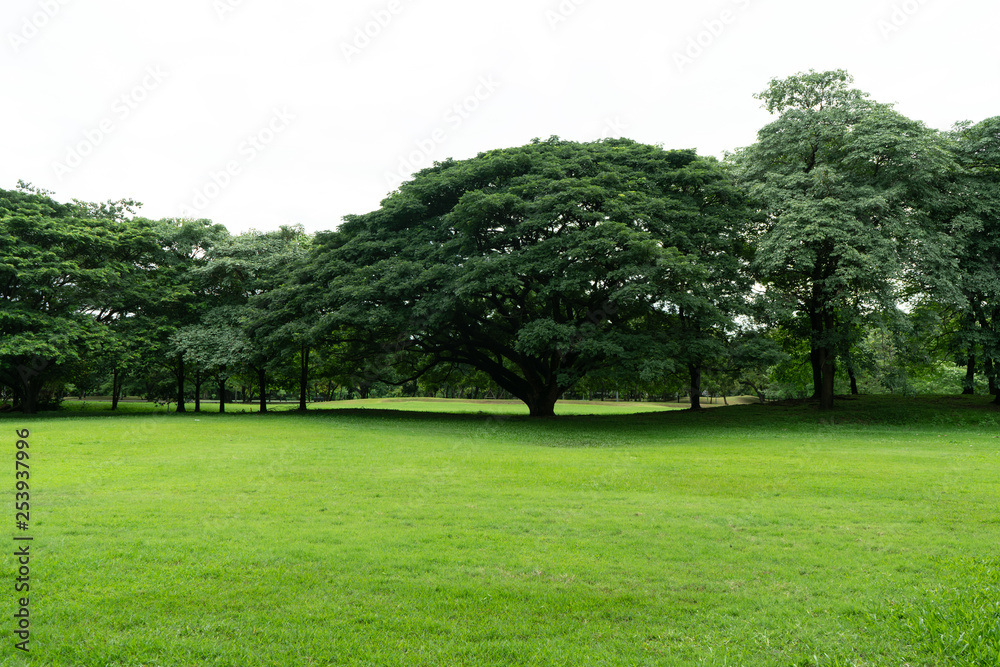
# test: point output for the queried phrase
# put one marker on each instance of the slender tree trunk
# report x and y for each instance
(826, 390)
(818, 327)
(826, 357)
(303, 377)
(115, 388)
(197, 390)
(989, 363)
(694, 371)
(991, 374)
(222, 394)
(969, 384)
(815, 353)
(262, 381)
(816, 360)
(854, 380)
(180, 383)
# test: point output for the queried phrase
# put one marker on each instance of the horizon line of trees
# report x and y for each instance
(849, 249)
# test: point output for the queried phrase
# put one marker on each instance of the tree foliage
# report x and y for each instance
(846, 237)
(536, 265)
(966, 275)
(845, 186)
(65, 271)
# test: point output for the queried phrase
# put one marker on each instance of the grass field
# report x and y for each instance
(749, 535)
(485, 407)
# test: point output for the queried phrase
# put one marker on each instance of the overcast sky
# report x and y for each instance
(257, 113)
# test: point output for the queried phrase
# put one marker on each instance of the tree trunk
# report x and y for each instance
(26, 393)
(29, 403)
(826, 390)
(262, 381)
(197, 390)
(222, 395)
(542, 403)
(303, 377)
(969, 383)
(695, 373)
(989, 363)
(826, 356)
(854, 381)
(180, 383)
(815, 360)
(32, 387)
(819, 321)
(116, 388)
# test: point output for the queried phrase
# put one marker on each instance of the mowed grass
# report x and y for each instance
(751, 535)
(502, 407)
(452, 406)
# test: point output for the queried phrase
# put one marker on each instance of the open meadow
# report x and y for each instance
(744, 535)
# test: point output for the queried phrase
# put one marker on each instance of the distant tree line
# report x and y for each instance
(849, 249)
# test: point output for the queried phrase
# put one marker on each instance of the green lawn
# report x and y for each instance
(496, 407)
(751, 535)
(563, 408)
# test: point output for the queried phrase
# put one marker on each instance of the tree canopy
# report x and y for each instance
(845, 186)
(65, 270)
(847, 237)
(535, 265)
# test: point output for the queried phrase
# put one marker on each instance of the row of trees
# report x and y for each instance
(845, 236)
(92, 295)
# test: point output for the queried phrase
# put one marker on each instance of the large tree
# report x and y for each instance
(845, 185)
(66, 271)
(535, 265)
(237, 282)
(966, 276)
(175, 297)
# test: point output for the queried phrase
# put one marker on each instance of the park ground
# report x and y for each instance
(450, 533)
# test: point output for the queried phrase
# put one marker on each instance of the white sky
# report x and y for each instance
(257, 113)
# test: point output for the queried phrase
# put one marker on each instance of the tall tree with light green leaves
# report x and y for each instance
(845, 185)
